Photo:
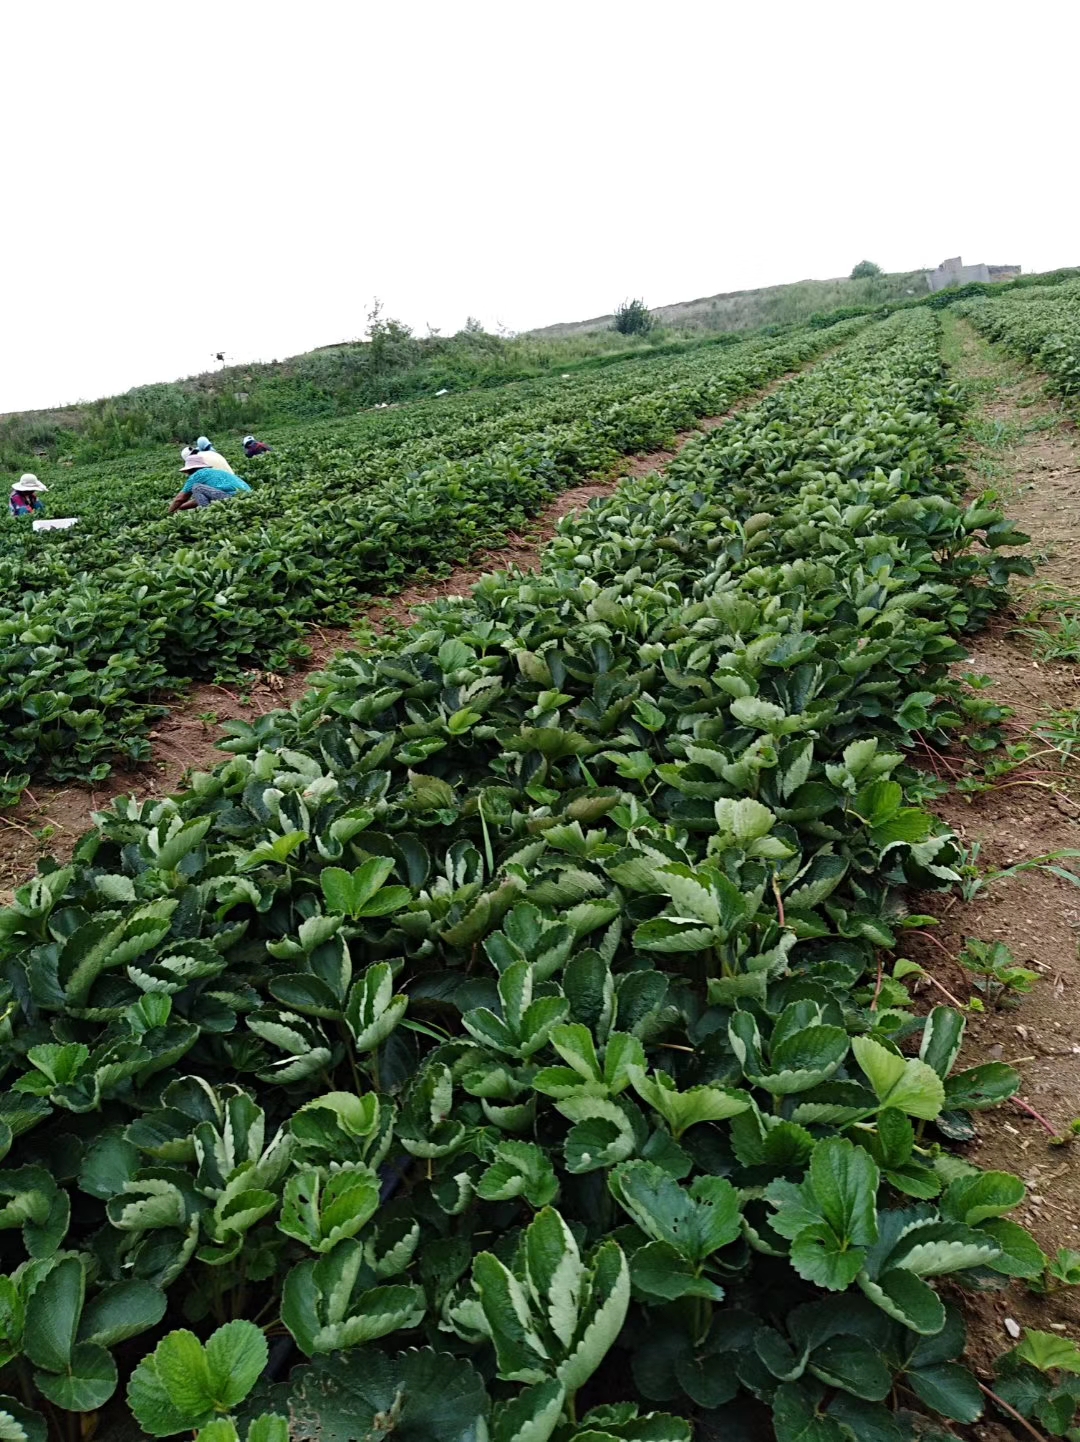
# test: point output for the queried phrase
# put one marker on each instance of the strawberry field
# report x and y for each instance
(1041, 326)
(99, 621)
(496, 1047)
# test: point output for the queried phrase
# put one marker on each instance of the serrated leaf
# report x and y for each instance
(670, 934)
(942, 1037)
(52, 1315)
(796, 1419)
(609, 1301)
(684, 1109)
(601, 1136)
(521, 1354)
(1048, 1352)
(181, 1366)
(19, 1423)
(949, 1389)
(236, 1356)
(430, 1395)
(86, 1384)
(658, 1270)
(973, 1199)
(906, 1083)
(853, 1364)
(908, 1299)
(1021, 1255)
(120, 1311)
(982, 1086)
(695, 1221)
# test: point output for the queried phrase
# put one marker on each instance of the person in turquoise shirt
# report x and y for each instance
(204, 485)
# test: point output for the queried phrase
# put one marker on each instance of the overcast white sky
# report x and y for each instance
(246, 176)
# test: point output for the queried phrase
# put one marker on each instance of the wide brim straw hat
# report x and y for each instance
(195, 462)
(29, 482)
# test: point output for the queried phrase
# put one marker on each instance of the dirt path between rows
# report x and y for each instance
(50, 819)
(1024, 445)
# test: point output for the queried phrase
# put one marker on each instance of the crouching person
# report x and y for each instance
(204, 485)
(26, 496)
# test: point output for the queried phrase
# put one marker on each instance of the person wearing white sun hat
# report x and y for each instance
(252, 447)
(205, 450)
(26, 496)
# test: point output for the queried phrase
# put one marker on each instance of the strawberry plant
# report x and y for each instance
(1040, 325)
(490, 1046)
(98, 622)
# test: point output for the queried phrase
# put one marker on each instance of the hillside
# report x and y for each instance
(331, 381)
(393, 365)
(770, 305)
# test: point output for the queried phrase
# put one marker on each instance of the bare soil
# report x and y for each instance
(50, 819)
(1028, 449)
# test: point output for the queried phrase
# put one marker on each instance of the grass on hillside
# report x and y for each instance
(393, 365)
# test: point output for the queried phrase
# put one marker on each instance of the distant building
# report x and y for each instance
(955, 272)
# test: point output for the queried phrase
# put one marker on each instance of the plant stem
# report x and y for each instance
(779, 900)
(262, 1313)
(933, 979)
(487, 839)
(26, 1386)
(347, 1036)
(1011, 1411)
(880, 978)
(18, 826)
(936, 756)
(1031, 1112)
(702, 1319)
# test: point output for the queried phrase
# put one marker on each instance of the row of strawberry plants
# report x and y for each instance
(93, 631)
(119, 501)
(497, 1032)
(1041, 326)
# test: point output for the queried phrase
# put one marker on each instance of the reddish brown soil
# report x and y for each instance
(1033, 458)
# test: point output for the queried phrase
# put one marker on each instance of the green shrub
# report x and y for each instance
(633, 318)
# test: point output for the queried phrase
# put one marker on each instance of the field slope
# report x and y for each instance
(504, 1030)
(738, 310)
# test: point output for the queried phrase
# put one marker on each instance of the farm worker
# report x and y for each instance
(26, 496)
(252, 447)
(205, 484)
(206, 452)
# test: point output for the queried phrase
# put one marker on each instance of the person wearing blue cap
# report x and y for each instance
(205, 447)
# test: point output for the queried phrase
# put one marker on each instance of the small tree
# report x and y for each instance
(391, 342)
(633, 318)
(865, 270)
